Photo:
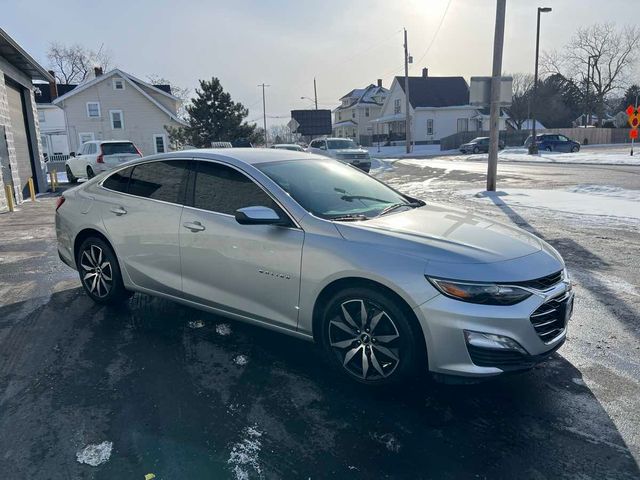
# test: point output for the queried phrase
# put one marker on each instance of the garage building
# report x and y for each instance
(20, 149)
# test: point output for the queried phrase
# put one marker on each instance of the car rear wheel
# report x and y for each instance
(90, 172)
(99, 272)
(70, 176)
(368, 337)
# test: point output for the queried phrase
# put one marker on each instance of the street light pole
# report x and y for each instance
(264, 113)
(494, 113)
(407, 115)
(533, 149)
(589, 78)
(315, 92)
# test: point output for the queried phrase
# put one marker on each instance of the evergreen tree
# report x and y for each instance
(211, 117)
(630, 96)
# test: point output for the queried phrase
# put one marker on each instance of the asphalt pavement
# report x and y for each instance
(184, 394)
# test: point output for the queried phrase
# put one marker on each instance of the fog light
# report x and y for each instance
(493, 341)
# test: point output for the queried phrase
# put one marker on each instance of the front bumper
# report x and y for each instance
(444, 321)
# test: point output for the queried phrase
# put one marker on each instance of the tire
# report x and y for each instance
(575, 149)
(549, 149)
(386, 351)
(70, 176)
(90, 173)
(476, 150)
(100, 273)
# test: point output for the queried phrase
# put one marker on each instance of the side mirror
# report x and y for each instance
(258, 216)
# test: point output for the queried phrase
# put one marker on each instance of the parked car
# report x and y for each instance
(242, 143)
(552, 142)
(221, 145)
(342, 149)
(479, 145)
(288, 146)
(383, 283)
(99, 156)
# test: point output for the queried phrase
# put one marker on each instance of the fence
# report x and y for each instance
(56, 162)
(515, 138)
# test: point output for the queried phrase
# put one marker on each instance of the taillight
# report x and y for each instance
(100, 158)
(59, 202)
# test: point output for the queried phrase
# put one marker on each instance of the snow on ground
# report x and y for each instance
(618, 155)
(399, 151)
(590, 200)
(95, 454)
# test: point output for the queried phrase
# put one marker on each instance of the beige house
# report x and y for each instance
(352, 119)
(118, 106)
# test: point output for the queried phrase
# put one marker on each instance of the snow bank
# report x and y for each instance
(400, 151)
(589, 155)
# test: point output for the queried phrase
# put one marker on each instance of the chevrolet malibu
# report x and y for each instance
(387, 284)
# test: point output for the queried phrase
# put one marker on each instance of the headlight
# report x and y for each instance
(484, 293)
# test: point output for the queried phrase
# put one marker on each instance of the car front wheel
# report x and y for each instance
(70, 176)
(476, 150)
(90, 173)
(575, 149)
(99, 272)
(369, 337)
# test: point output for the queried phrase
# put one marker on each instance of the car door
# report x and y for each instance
(564, 145)
(142, 216)
(76, 163)
(249, 270)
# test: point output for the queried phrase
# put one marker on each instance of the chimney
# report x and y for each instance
(97, 71)
(380, 82)
(53, 86)
(425, 72)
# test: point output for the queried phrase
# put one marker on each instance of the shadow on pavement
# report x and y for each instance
(229, 400)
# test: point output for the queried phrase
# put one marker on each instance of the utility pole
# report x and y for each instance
(264, 113)
(533, 148)
(407, 116)
(494, 114)
(315, 92)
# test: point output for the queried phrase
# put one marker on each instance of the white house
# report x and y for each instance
(352, 119)
(53, 125)
(118, 106)
(438, 107)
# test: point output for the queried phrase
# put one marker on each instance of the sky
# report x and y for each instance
(344, 44)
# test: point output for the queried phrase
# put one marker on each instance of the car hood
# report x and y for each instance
(447, 238)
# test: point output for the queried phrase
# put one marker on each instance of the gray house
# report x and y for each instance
(118, 106)
(20, 150)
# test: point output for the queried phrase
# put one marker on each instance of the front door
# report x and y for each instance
(249, 270)
(143, 222)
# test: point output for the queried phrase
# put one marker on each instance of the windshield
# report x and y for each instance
(118, 148)
(339, 144)
(332, 190)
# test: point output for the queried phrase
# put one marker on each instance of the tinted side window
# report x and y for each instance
(222, 189)
(119, 181)
(159, 180)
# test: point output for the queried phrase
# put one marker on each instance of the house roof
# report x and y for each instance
(363, 95)
(136, 83)
(43, 93)
(16, 56)
(436, 91)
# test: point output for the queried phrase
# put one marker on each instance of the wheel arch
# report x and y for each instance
(85, 233)
(352, 281)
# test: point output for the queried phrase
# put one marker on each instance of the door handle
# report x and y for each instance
(118, 211)
(194, 226)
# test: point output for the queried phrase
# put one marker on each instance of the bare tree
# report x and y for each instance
(74, 63)
(520, 109)
(610, 51)
(182, 93)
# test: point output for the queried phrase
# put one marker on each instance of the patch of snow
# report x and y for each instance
(388, 440)
(223, 329)
(621, 206)
(400, 151)
(95, 454)
(244, 455)
(196, 323)
(578, 381)
(241, 360)
(618, 155)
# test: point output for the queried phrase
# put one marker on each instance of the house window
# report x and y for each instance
(353, 114)
(93, 109)
(41, 116)
(117, 120)
(118, 84)
(396, 106)
(159, 143)
(463, 125)
(366, 112)
(339, 115)
(86, 137)
(430, 126)
(479, 124)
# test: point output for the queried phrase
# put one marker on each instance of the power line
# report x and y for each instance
(435, 34)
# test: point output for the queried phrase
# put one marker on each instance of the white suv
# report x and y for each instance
(342, 149)
(99, 156)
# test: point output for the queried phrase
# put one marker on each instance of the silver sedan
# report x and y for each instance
(387, 284)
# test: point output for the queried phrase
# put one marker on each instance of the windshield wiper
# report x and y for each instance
(395, 206)
(351, 217)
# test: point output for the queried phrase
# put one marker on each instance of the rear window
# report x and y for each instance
(119, 181)
(118, 148)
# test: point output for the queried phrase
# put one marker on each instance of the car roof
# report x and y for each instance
(251, 156)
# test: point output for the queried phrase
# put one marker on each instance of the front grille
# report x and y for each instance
(549, 320)
(542, 283)
(354, 156)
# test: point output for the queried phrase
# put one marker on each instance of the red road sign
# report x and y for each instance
(633, 133)
(634, 117)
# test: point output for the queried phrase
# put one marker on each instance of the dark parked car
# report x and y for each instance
(242, 143)
(552, 142)
(478, 145)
